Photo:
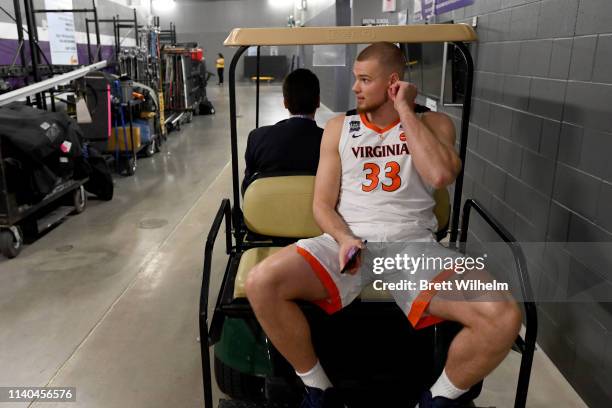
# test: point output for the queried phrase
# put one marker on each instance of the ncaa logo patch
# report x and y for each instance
(355, 126)
(402, 137)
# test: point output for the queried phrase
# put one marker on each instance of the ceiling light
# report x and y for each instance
(280, 3)
(164, 5)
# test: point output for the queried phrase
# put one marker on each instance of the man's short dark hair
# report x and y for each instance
(301, 92)
(387, 54)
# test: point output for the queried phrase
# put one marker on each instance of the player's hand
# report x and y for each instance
(343, 255)
(403, 95)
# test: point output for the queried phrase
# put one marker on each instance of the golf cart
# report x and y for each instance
(369, 351)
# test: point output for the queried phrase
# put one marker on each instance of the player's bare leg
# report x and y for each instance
(490, 327)
(272, 288)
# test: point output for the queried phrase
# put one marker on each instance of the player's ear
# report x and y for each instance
(393, 78)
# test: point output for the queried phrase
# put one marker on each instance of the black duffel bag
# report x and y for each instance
(100, 181)
(41, 148)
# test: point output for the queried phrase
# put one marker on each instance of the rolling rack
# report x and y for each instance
(38, 70)
(122, 102)
(29, 79)
(35, 70)
(166, 37)
(12, 215)
(167, 40)
(178, 85)
(151, 76)
(118, 25)
(12, 70)
(135, 66)
(150, 44)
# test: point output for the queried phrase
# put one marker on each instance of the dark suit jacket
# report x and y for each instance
(290, 145)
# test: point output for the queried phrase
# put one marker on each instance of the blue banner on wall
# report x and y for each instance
(423, 9)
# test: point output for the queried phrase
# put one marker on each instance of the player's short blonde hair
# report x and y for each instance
(387, 54)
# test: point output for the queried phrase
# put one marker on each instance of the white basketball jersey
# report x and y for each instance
(382, 196)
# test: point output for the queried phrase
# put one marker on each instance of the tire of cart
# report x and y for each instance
(11, 241)
(236, 384)
(79, 200)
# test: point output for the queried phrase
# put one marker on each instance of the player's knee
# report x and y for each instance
(501, 320)
(258, 284)
(266, 282)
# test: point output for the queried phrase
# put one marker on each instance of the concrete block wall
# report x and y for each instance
(538, 159)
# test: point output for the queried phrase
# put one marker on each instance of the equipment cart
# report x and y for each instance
(14, 219)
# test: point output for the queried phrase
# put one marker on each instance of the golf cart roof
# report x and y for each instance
(420, 33)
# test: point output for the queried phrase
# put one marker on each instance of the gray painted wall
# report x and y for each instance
(334, 80)
(208, 23)
(538, 159)
(370, 9)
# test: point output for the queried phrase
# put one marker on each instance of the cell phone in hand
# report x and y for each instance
(353, 256)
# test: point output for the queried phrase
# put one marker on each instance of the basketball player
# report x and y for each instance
(378, 168)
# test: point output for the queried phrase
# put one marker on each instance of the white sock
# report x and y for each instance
(315, 377)
(445, 388)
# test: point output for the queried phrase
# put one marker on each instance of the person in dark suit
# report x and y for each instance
(291, 144)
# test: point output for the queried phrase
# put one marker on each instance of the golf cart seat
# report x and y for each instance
(281, 207)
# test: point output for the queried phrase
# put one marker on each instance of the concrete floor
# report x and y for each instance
(107, 301)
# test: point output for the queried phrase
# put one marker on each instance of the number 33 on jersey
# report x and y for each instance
(392, 170)
(379, 182)
(380, 156)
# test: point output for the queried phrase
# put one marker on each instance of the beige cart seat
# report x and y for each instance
(282, 207)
